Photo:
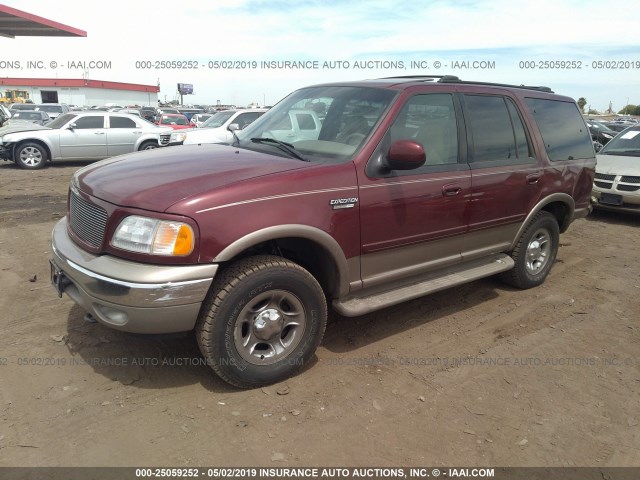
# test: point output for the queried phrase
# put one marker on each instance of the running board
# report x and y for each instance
(372, 299)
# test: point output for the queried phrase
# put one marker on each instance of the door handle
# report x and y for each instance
(98, 133)
(533, 178)
(451, 190)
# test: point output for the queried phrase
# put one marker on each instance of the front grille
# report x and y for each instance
(88, 221)
(629, 179)
(603, 184)
(602, 176)
(164, 138)
(628, 188)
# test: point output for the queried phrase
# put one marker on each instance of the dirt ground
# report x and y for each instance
(482, 375)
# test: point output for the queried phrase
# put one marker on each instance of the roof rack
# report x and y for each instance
(454, 79)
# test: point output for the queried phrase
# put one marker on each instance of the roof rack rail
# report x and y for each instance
(454, 79)
(427, 78)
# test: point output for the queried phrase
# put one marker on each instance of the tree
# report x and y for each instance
(581, 103)
(629, 110)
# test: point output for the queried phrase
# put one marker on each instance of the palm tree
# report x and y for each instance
(581, 103)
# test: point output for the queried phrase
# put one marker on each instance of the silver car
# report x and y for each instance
(87, 135)
(617, 182)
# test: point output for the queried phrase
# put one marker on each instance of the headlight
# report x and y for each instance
(152, 236)
(178, 137)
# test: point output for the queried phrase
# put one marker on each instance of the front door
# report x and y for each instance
(413, 221)
(86, 139)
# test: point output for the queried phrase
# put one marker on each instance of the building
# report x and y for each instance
(82, 91)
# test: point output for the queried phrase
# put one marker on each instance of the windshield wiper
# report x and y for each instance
(284, 146)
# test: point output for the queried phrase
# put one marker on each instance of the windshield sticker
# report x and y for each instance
(630, 135)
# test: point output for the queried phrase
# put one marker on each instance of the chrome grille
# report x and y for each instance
(629, 179)
(88, 221)
(628, 188)
(164, 138)
(602, 176)
(603, 184)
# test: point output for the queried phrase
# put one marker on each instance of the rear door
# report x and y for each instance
(505, 175)
(414, 221)
(87, 139)
(122, 135)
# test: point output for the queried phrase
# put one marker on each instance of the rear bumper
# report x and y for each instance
(130, 296)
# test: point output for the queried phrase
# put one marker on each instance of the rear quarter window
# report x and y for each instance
(565, 135)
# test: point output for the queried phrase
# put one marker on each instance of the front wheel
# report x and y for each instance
(262, 322)
(534, 253)
(31, 156)
(148, 145)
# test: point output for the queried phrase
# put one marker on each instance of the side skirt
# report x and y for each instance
(371, 299)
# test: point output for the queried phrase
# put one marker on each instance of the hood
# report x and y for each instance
(618, 165)
(156, 179)
(15, 126)
(205, 135)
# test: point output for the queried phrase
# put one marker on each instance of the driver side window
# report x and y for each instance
(429, 120)
(89, 122)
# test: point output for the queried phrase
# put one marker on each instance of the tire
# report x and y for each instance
(262, 321)
(534, 253)
(30, 155)
(148, 145)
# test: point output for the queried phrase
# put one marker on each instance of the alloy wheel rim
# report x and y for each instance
(269, 327)
(538, 252)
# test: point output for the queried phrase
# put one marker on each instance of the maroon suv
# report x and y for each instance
(357, 195)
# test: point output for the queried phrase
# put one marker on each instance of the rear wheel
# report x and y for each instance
(31, 156)
(534, 253)
(262, 322)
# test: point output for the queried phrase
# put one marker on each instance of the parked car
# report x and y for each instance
(617, 181)
(22, 106)
(199, 118)
(173, 120)
(132, 111)
(53, 109)
(88, 135)
(148, 113)
(33, 116)
(217, 129)
(600, 132)
(412, 185)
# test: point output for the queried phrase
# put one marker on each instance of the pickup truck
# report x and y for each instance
(404, 186)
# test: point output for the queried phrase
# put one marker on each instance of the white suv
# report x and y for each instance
(217, 128)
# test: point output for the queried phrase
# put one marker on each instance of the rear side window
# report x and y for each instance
(563, 130)
(121, 122)
(497, 130)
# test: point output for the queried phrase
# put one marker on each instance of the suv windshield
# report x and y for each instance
(217, 120)
(626, 143)
(326, 123)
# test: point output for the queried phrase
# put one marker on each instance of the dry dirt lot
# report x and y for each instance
(482, 375)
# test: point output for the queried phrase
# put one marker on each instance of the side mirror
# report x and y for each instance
(406, 155)
(233, 127)
(72, 126)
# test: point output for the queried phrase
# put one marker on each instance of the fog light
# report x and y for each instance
(111, 315)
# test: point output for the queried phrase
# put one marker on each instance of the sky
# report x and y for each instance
(240, 47)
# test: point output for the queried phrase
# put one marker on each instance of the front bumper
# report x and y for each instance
(130, 296)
